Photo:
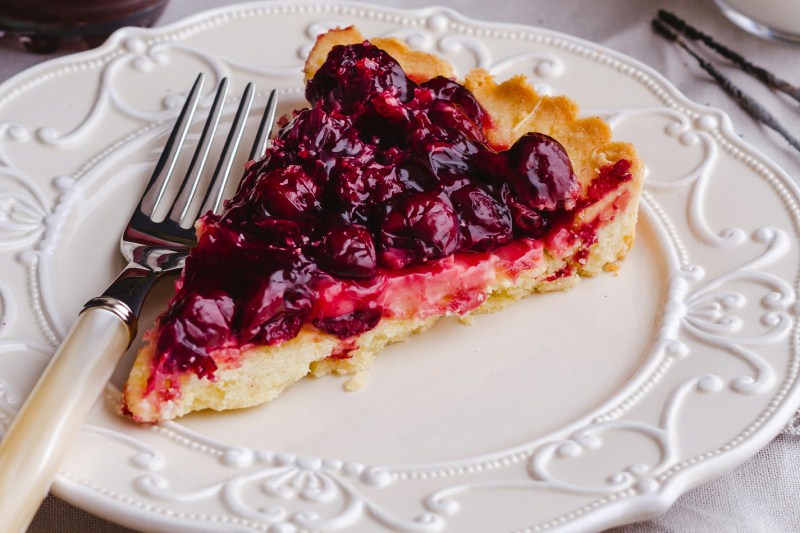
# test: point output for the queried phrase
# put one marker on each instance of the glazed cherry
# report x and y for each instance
(314, 132)
(281, 233)
(195, 325)
(453, 106)
(280, 327)
(453, 182)
(534, 179)
(352, 75)
(485, 224)
(540, 172)
(355, 188)
(528, 222)
(418, 228)
(350, 324)
(447, 90)
(287, 193)
(348, 252)
(279, 304)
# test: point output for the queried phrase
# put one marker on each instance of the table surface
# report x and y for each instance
(760, 495)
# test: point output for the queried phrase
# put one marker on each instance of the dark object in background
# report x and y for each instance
(42, 26)
(761, 74)
(753, 108)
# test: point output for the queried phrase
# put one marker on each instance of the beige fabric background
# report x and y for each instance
(763, 495)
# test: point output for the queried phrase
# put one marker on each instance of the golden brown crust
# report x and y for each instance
(259, 376)
(262, 373)
(419, 66)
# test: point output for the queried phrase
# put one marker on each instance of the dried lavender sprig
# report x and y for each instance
(747, 103)
(760, 73)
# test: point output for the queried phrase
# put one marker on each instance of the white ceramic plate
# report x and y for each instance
(578, 410)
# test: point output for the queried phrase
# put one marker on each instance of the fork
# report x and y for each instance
(32, 450)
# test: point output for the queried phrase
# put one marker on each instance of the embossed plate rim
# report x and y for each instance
(92, 498)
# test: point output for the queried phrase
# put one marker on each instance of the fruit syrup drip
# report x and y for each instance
(378, 175)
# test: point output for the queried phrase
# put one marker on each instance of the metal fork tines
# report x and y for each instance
(32, 449)
(34, 446)
(152, 246)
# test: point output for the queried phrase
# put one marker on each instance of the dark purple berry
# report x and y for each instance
(485, 224)
(278, 307)
(418, 228)
(540, 172)
(447, 90)
(352, 75)
(350, 324)
(193, 327)
(355, 188)
(348, 252)
(287, 193)
(527, 222)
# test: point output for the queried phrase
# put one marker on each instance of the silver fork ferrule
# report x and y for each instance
(119, 308)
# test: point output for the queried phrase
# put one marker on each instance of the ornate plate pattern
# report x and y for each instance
(598, 406)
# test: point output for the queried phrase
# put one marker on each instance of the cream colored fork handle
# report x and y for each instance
(32, 451)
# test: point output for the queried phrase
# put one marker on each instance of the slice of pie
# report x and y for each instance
(398, 197)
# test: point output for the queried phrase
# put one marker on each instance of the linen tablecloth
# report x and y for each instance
(761, 494)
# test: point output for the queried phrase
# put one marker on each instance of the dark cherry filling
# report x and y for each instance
(379, 174)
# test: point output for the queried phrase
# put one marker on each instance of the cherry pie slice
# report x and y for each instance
(399, 196)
